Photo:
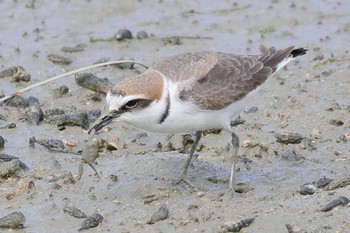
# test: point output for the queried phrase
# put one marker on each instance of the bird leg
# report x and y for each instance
(235, 145)
(183, 176)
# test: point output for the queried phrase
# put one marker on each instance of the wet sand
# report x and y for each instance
(309, 97)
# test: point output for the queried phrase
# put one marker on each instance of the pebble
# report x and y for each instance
(9, 126)
(78, 119)
(17, 73)
(307, 189)
(236, 226)
(123, 34)
(159, 215)
(58, 59)
(91, 221)
(252, 110)
(2, 143)
(70, 209)
(341, 200)
(114, 143)
(16, 101)
(336, 122)
(14, 220)
(91, 82)
(74, 49)
(50, 144)
(8, 169)
(291, 155)
(32, 101)
(35, 114)
(323, 182)
(142, 35)
(289, 138)
(60, 91)
(174, 40)
(293, 228)
(113, 178)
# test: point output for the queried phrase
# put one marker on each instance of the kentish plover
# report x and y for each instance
(193, 92)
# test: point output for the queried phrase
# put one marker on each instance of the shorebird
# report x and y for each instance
(192, 92)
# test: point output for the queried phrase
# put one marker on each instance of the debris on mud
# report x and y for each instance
(339, 183)
(9, 126)
(15, 220)
(7, 158)
(292, 155)
(293, 228)
(339, 201)
(60, 91)
(73, 49)
(114, 143)
(11, 168)
(70, 209)
(236, 226)
(58, 59)
(154, 197)
(16, 101)
(91, 221)
(92, 82)
(159, 215)
(23, 186)
(16, 73)
(289, 138)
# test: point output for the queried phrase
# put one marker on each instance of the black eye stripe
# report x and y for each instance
(136, 104)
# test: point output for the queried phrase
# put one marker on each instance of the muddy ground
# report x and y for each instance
(310, 97)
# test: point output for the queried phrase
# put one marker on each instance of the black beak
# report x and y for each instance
(104, 121)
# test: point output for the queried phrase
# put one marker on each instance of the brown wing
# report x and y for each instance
(232, 78)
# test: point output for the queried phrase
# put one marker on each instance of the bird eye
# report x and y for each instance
(131, 104)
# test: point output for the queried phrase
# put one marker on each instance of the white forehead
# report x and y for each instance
(115, 102)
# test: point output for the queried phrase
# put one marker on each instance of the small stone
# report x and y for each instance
(114, 178)
(74, 49)
(291, 155)
(235, 226)
(70, 209)
(92, 82)
(323, 182)
(252, 110)
(289, 138)
(343, 201)
(2, 143)
(142, 35)
(336, 122)
(316, 133)
(114, 143)
(32, 100)
(161, 214)
(93, 221)
(307, 189)
(16, 101)
(14, 220)
(58, 59)
(123, 34)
